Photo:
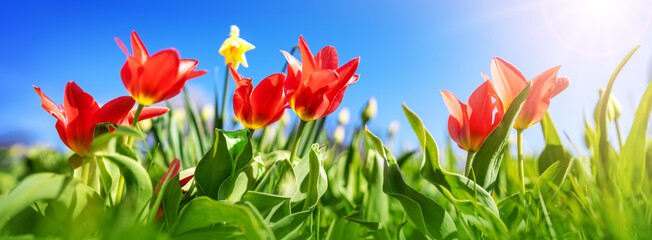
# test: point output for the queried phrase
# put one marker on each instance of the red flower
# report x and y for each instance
(146, 113)
(470, 124)
(259, 107)
(157, 78)
(510, 81)
(76, 121)
(315, 88)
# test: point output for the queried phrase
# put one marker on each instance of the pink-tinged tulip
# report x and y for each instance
(173, 170)
(156, 78)
(469, 124)
(80, 113)
(509, 81)
(259, 107)
(315, 87)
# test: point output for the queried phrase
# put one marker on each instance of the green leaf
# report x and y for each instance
(603, 144)
(553, 151)
(46, 186)
(552, 179)
(302, 172)
(203, 212)
(469, 198)
(311, 186)
(171, 200)
(276, 187)
(100, 142)
(486, 162)
(430, 218)
(633, 154)
(139, 188)
(230, 153)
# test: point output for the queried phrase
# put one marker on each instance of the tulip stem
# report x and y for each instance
(620, 140)
(297, 138)
(226, 85)
(137, 115)
(519, 146)
(469, 161)
(86, 170)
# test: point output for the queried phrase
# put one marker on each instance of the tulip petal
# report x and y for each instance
(307, 59)
(454, 105)
(267, 99)
(173, 170)
(310, 101)
(50, 106)
(80, 108)
(130, 73)
(140, 52)
(147, 113)
(538, 100)
(159, 77)
(115, 111)
(561, 83)
(326, 58)
(294, 74)
(346, 73)
(185, 67)
(241, 96)
(508, 80)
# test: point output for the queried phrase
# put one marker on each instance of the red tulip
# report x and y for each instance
(146, 113)
(470, 124)
(510, 81)
(157, 78)
(76, 121)
(315, 88)
(259, 107)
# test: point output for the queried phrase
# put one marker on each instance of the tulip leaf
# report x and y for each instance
(633, 154)
(71, 199)
(552, 179)
(203, 212)
(277, 187)
(310, 186)
(428, 216)
(486, 162)
(223, 162)
(469, 198)
(604, 149)
(302, 172)
(139, 187)
(553, 151)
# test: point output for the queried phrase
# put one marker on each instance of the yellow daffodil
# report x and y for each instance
(233, 49)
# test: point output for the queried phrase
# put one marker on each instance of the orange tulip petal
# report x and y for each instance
(50, 106)
(508, 80)
(536, 104)
(561, 83)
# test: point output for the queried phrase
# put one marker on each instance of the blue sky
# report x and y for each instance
(410, 50)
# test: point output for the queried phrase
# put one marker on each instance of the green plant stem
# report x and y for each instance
(297, 138)
(620, 139)
(121, 182)
(86, 170)
(222, 111)
(519, 145)
(469, 161)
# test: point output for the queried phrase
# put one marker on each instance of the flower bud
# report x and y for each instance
(145, 125)
(393, 127)
(370, 110)
(344, 117)
(614, 108)
(339, 134)
(207, 112)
